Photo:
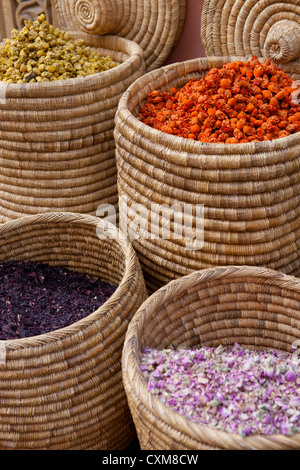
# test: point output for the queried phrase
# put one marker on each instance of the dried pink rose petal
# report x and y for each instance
(231, 389)
(290, 376)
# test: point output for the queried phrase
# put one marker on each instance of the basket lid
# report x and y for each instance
(244, 28)
(155, 25)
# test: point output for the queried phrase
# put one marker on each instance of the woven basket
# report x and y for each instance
(250, 192)
(63, 390)
(57, 150)
(256, 307)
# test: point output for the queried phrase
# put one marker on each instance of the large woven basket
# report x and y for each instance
(57, 151)
(250, 192)
(256, 307)
(63, 390)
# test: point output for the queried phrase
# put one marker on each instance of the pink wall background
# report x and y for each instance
(189, 45)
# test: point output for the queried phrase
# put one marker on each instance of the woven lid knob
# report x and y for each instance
(96, 17)
(283, 42)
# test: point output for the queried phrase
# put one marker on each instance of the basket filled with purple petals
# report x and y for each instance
(69, 286)
(212, 361)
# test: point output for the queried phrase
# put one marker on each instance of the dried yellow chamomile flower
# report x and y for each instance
(39, 52)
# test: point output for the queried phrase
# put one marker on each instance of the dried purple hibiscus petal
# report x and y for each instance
(36, 298)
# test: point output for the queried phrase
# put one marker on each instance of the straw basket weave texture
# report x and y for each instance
(256, 307)
(155, 25)
(250, 192)
(247, 27)
(57, 151)
(63, 390)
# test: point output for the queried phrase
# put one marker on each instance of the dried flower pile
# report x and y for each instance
(239, 103)
(231, 389)
(36, 298)
(40, 52)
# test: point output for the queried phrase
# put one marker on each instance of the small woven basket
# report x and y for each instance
(63, 390)
(57, 149)
(256, 307)
(250, 192)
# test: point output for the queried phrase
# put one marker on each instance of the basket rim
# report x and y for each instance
(67, 86)
(126, 252)
(188, 145)
(135, 381)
